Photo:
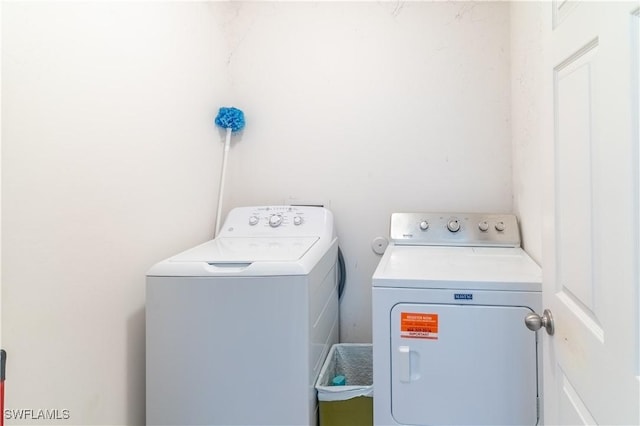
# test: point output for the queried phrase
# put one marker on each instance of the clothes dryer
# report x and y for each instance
(450, 346)
(237, 328)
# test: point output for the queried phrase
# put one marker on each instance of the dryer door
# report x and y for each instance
(463, 364)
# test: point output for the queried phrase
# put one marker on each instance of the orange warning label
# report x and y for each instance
(418, 325)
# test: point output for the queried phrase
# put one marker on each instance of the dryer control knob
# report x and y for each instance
(297, 220)
(424, 225)
(483, 226)
(500, 226)
(453, 225)
(275, 220)
(253, 220)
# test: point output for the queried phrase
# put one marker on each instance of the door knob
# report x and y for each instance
(535, 322)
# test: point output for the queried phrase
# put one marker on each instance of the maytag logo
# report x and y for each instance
(463, 296)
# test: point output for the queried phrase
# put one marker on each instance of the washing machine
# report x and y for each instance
(450, 346)
(237, 329)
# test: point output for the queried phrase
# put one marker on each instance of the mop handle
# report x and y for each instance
(3, 363)
(227, 143)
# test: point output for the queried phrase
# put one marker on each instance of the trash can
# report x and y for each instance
(345, 386)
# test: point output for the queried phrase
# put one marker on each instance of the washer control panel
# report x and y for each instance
(455, 229)
(277, 221)
(275, 216)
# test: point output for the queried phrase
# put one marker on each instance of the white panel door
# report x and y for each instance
(591, 363)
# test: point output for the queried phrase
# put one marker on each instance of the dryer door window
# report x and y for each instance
(462, 364)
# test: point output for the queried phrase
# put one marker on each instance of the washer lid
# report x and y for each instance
(489, 268)
(225, 250)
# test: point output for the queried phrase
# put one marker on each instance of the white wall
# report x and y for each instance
(110, 161)
(530, 26)
(372, 108)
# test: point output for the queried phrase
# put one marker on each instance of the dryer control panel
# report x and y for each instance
(455, 229)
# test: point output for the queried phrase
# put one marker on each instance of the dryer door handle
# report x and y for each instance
(404, 364)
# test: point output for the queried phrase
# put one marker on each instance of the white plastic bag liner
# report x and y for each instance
(354, 361)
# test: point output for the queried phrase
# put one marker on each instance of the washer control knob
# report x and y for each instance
(453, 225)
(500, 226)
(424, 225)
(253, 220)
(275, 220)
(297, 220)
(483, 226)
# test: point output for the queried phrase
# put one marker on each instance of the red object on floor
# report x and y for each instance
(2, 403)
(3, 364)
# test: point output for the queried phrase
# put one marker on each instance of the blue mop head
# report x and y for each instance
(230, 118)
